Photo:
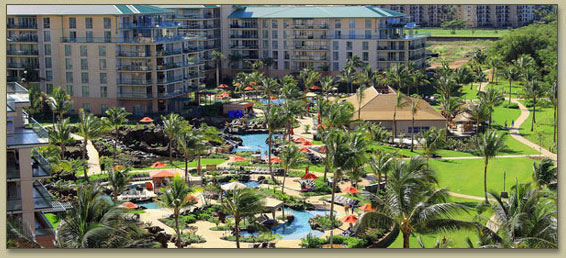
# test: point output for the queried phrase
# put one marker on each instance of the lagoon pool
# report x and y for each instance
(254, 142)
(249, 184)
(149, 204)
(275, 102)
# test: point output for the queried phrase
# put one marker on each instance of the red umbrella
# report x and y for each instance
(315, 87)
(321, 125)
(146, 120)
(128, 205)
(351, 189)
(238, 158)
(253, 83)
(223, 86)
(118, 167)
(367, 207)
(248, 88)
(158, 165)
(163, 173)
(273, 98)
(291, 131)
(275, 160)
(307, 143)
(299, 140)
(304, 150)
(236, 84)
(191, 198)
(309, 176)
(323, 148)
(350, 219)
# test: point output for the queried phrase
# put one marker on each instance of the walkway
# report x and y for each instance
(93, 158)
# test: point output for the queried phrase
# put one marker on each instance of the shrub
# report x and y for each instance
(373, 234)
(349, 242)
(325, 223)
(322, 188)
(311, 241)
(512, 105)
(220, 228)
(250, 239)
(541, 103)
(183, 221)
(192, 238)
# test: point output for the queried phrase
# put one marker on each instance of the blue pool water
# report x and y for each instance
(249, 184)
(275, 102)
(297, 229)
(254, 142)
(149, 204)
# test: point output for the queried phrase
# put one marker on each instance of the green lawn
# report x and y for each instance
(466, 176)
(543, 129)
(192, 164)
(53, 219)
(455, 52)
(503, 85)
(438, 32)
(514, 147)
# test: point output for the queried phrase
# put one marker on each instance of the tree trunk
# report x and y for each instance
(199, 168)
(284, 177)
(171, 149)
(406, 237)
(378, 183)
(485, 179)
(533, 121)
(84, 158)
(217, 73)
(269, 158)
(394, 132)
(326, 161)
(186, 169)
(412, 134)
(510, 92)
(115, 145)
(489, 126)
(63, 149)
(177, 229)
(237, 226)
(332, 204)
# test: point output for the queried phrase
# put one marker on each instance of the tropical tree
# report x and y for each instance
(327, 85)
(400, 102)
(553, 96)
(205, 135)
(175, 198)
(432, 140)
(309, 77)
(242, 203)
(60, 134)
(187, 141)
(360, 97)
(290, 157)
(348, 75)
(488, 145)
(463, 75)
(495, 63)
(267, 63)
(90, 127)
(397, 75)
(275, 119)
(414, 109)
(116, 116)
(118, 179)
(380, 165)
(336, 115)
(450, 109)
(446, 86)
(413, 204)
(480, 113)
(511, 74)
(217, 57)
(172, 125)
(59, 102)
(491, 98)
(532, 89)
(544, 173)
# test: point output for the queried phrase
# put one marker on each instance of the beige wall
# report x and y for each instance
(403, 125)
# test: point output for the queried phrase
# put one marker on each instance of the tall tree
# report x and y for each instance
(400, 102)
(275, 119)
(217, 57)
(90, 127)
(60, 133)
(380, 165)
(118, 180)
(290, 157)
(511, 74)
(175, 198)
(431, 140)
(205, 134)
(360, 94)
(242, 203)
(532, 89)
(450, 108)
(187, 141)
(173, 124)
(488, 145)
(59, 102)
(544, 173)
(491, 98)
(414, 109)
(116, 116)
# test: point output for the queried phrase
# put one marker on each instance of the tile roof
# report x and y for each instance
(313, 12)
(84, 9)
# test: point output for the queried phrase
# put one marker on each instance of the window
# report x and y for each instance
(275, 54)
(102, 64)
(107, 23)
(72, 36)
(84, 77)
(265, 33)
(265, 24)
(49, 75)
(337, 34)
(352, 24)
(46, 35)
(46, 23)
(276, 65)
(348, 45)
(69, 77)
(103, 108)
(368, 24)
(85, 93)
(337, 24)
(68, 64)
(47, 48)
(266, 44)
(89, 37)
(274, 44)
(335, 66)
(103, 92)
(285, 23)
(72, 23)
(274, 34)
(69, 90)
(86, 107)
(88, 22)
(265, 53)
(284, 34)
(107, 36)
(352, 34)
(365, 56)
(103, 78)
(285, 44)
(274, 24)
(335, 56)
(368, 34)
(101, 51)
(84, 64)
(68, 50)
(48, 62)
(84, 51)
(49, 88)
(365, 45)
(286, 65)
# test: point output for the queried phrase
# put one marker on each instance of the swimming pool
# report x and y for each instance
(249, 184)
(275, 102)
(254, 142)
(149, 204)
(297, 229)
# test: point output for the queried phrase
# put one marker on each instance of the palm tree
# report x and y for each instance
(413, 204)
(275, 119)
(463, 75)
(290, 158)
(336, 115)
(116, 117)
(267, 63)
(59, 102)
(90, 127)
(431, 140)
(488, 145)
(174, 197)
(380, 165)
(327, 85)
(553, 96)
(397, 75)
(480, 113)
(533, 89)
(511, 74)
(217, 57)
(118, 180)
(348, 75)
(545, 173)
(360, 97)
(187, 140)
(205, 134)
(172, 126)
(309, 77)
(60, 133)
(491, 98)
(450, 108)
(414, 109)
(446, 86)
(524, 62)
(94, 222)
(494, 62)
(242, 203)
(400, 102)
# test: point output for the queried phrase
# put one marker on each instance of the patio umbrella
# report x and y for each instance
(191, 198)
(321, 125)
(163, 173)
(307, 143)
(233, 186)
(158, 165)
(299, 140)
(350, 219)
(323, 148)
(253, 83)
(291, 131)
(304, 150)
(146, 120)
(223, 86)
(309, 176)
(367, 207)
(315, 87)
(236, 84)
(248, 88)
(275, 160)
(273, 98)
(128, 205)
(351, 190)
(238, 158)
(118, 167)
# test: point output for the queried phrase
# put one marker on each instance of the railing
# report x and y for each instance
(13, 205)
(133, 54)
(238, 26)
(313, 58)
(193, 75)
(250, 57)
(195, 62)
(142, 68)
(196, 16)
(35, 126)
(41, 197)
(21, 65)
(171, 79)
(171, 94)
(169, 52)
(396, 36)
(22, 52)
(390, 60)
(310, 37)
(15, 88)
(135, 82)
(170, 66)
(134, 95)
(310, 26)
(311, 47)
(197, 27)
(390, 48)
(146, 40)
(22, 26)
(234, 36)
(244, 47)
(23, 39)
(88, 40)
(167, 24)
(192, 49)
(42, 163)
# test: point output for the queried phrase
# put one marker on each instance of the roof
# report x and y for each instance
(314, 12)
(72, 9)
(380, 107)
(188, 6)
(162, 173)
(271, 203)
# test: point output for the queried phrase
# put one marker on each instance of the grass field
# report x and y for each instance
(543, 129)
(192, 164)
(53, 219)
(502, 85)
(439, 32)
(455, 52)
(514, 147)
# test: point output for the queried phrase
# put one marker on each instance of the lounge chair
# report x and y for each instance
(264, 245)
(271, 245)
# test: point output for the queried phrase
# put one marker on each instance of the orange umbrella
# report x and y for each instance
(253, 83)
(309, 176)
(238, 158)
(223, 86)
(323, 148)
(307, 143)
(273, 98)
(299, 140)
(275, 160)
(248, 88)
(191, 198)
(367, 207)
(236, 84)
(351, 189)
(118, 167)
(304, 150)
(315, 87)
(158, 165)
(350, 219)
(220, 96)
(321, 125)
(163, 173)
(128, 205)
(146, 120)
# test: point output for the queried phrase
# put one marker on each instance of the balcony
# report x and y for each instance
(134, 95)
(244, 47)
(22, 39)
(385, 37)
(198, 27)
(197, 61)
(193, 49)
(30, 52)
(236, 36)
(32, 26)
(169, 52)
(32, 133)
(250, 57)
(245, 26)
(40, 166)
(135, 82)
(299, 47)
(133, 54)
(134, 40)
(169, 80)
(310, 58)
(310, 37)
(171, 93)
(41, 197)
(390, 60)
(390, 48)
(309, 26)
(135, 68)
(15, 65)
(13, 204)
(196, 16)
(168, 66)
(157, 25)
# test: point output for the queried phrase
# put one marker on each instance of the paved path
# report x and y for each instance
(93, 158)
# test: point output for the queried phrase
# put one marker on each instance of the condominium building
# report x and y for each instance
(106, 55)
(324, 37)
(27, 198)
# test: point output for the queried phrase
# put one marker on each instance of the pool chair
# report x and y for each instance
(272, 245)
(148, 186)
(264, 245)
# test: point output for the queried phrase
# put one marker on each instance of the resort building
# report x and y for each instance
(133, 56)
(27, 198)
(324, 37)
(378, 105)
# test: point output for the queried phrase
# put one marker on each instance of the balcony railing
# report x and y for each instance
(23, 39)
(244, 47)
(197, 61)
(22, 65)
(166, 24)
(35, 126)
(311, 47)
(13, 204)
(143, 40)
(41, 167)
(134, 95)
(396, 36)
(310, 36)
(171, 93)
(192, 49)
(170, 66)
(247, 26)
(141, 68)
(236, 36)
(169, 52)
(89, 40)
(134, 82)
(171, 79)
(22, 26)
(310, 58)
(198, 27)
(390, 48)
(31, 52)
(310, 26)
(196, 16)
(41, 197)
(133, 54)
